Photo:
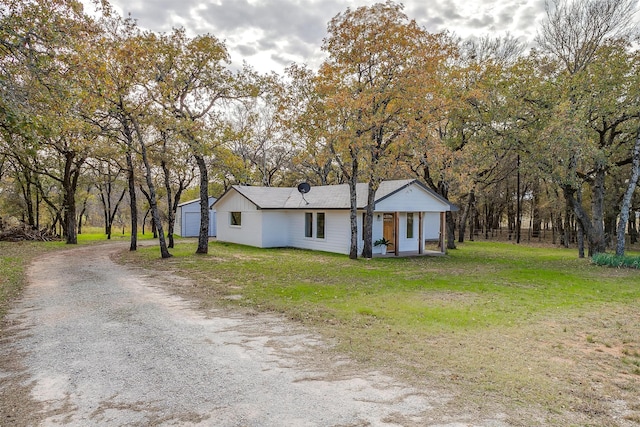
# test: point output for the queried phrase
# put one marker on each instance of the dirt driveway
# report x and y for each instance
(96, 343)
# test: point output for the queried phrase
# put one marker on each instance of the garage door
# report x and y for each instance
(191, 225)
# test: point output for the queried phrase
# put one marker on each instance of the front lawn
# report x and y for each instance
(533, 332)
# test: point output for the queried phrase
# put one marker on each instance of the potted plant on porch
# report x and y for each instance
(384, 243)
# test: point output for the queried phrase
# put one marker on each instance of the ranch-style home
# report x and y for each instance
(407, 213)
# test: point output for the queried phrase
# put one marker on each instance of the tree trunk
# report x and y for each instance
(443, 190)
(82, 212)
(582, 218)
(567, 223)
(203, 236)
(164, 252)
(580, 240)
(633, 229)
(133, 201)
(465, 215)
(625, 207)
(154, 229)
(353, 213)
(26, 194)
(596, 236)
(367, 226)
(511, 213)
(171, 217)
(536, 217)
(472, 215)
(451, 231)
(70, 184)
(70, 218)
(106, 208)
(144, 220)
(518, 203)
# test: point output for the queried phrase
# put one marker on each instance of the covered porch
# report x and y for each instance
(410, 233)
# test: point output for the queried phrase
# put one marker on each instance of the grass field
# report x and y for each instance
(534, 333)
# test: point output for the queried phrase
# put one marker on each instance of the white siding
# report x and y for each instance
(177, 226)
(376, 231)
(431, 225)
(411, 199)
(250, 231)
(275, 229)
(286, 228)
(337, 234)
(408, 244)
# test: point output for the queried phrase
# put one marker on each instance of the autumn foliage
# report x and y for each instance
(94, 111)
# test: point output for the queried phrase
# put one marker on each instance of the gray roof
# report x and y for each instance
(197, 201)
(324, 196)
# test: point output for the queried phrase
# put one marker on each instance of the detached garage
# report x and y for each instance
(188, 219)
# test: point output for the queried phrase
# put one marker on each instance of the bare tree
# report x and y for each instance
(574, 30)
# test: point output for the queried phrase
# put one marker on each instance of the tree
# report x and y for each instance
(108, 182)
(381, 71)
(581, 35)
(625, 206)
(178, 175)
(118, 68)
(43, 44)
(188, 81)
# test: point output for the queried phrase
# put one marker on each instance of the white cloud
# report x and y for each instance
(270, 34)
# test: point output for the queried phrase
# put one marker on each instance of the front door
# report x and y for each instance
(389, 230)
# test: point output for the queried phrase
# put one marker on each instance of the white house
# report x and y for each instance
(188, 219)
(406, 212)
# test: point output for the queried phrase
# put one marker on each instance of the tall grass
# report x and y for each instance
(612, 260)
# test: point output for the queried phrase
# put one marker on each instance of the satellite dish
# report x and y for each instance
(304, 187)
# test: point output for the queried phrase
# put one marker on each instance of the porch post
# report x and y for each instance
(443, 232)
(420, 235)
(396, 236)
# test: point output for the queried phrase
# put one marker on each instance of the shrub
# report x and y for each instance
(612, 260)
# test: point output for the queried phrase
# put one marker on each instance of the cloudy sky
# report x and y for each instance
(271, 34)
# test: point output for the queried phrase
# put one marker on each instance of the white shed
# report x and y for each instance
(188, 219)
(406, 213)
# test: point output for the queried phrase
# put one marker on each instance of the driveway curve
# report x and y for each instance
(107, 345)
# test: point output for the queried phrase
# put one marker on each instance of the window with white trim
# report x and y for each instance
(320, 225)
(308, 224)
(235, 218)
(409, 225)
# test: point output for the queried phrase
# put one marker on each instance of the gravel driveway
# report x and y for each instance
(106, 345)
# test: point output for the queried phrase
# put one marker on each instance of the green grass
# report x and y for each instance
(612, 260)
(14, 259)
(510, 323)
(476, 286)
(97, 234)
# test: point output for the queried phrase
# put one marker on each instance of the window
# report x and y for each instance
(235, 218)
(320, 225)
(308, 224)
(410, 225)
